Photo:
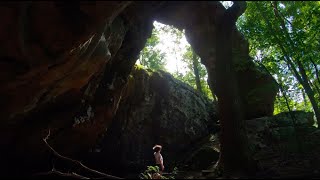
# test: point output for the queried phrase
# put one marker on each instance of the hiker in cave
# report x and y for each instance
(158, 157)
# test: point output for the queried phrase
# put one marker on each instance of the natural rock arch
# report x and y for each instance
(56, 70)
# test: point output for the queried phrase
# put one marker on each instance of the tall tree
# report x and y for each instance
(233, 161)
(286, 31)
(193, 73)
(192, 60)
(195, 64)
(196, 74)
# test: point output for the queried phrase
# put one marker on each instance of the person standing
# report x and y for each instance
(158, 157)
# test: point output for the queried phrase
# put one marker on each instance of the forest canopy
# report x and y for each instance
(283, 39)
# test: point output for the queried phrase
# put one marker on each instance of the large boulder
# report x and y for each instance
(258, 89)
(284, 144)
(202, 155)
(156, 109)
(281, 129)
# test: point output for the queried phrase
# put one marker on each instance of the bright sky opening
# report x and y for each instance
(174, 51)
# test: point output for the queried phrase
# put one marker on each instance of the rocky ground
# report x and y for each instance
(283, 148)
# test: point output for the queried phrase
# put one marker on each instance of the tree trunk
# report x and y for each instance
(317, 89)
(302, 79)
(210, 84)
(196, 72)
(234, 157)
(141, 59)
(304, 99)
(317, 71)
(309, 92)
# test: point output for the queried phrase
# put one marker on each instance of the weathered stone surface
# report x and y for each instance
(61, 96)
(283, 119)
(280, 132)
(256, 87)
(258, 90)
(156, 109)
(276, 138)
(58, 73)
(201, 155)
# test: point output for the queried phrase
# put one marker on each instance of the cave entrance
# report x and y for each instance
(167, 49)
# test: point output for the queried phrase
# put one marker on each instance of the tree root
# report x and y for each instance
(75, 162)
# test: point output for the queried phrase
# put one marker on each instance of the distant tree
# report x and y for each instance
(154, 58)
(196, 73)
(150, 56)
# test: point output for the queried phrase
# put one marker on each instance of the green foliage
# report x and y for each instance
(147, 174)
(151, 170)
(138, 67)
(189, 77)
(151, 57)
(284, 32)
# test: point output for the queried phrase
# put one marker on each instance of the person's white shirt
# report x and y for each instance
(158, 157)
(159, 160)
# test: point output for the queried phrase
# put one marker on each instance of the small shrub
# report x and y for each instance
(153, 172)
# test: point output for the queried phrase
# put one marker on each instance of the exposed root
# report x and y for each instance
(75, 162)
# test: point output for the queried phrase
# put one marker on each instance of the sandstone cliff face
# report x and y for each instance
(73, 93)
(65, 66)
(156, 109)
(200, 28)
